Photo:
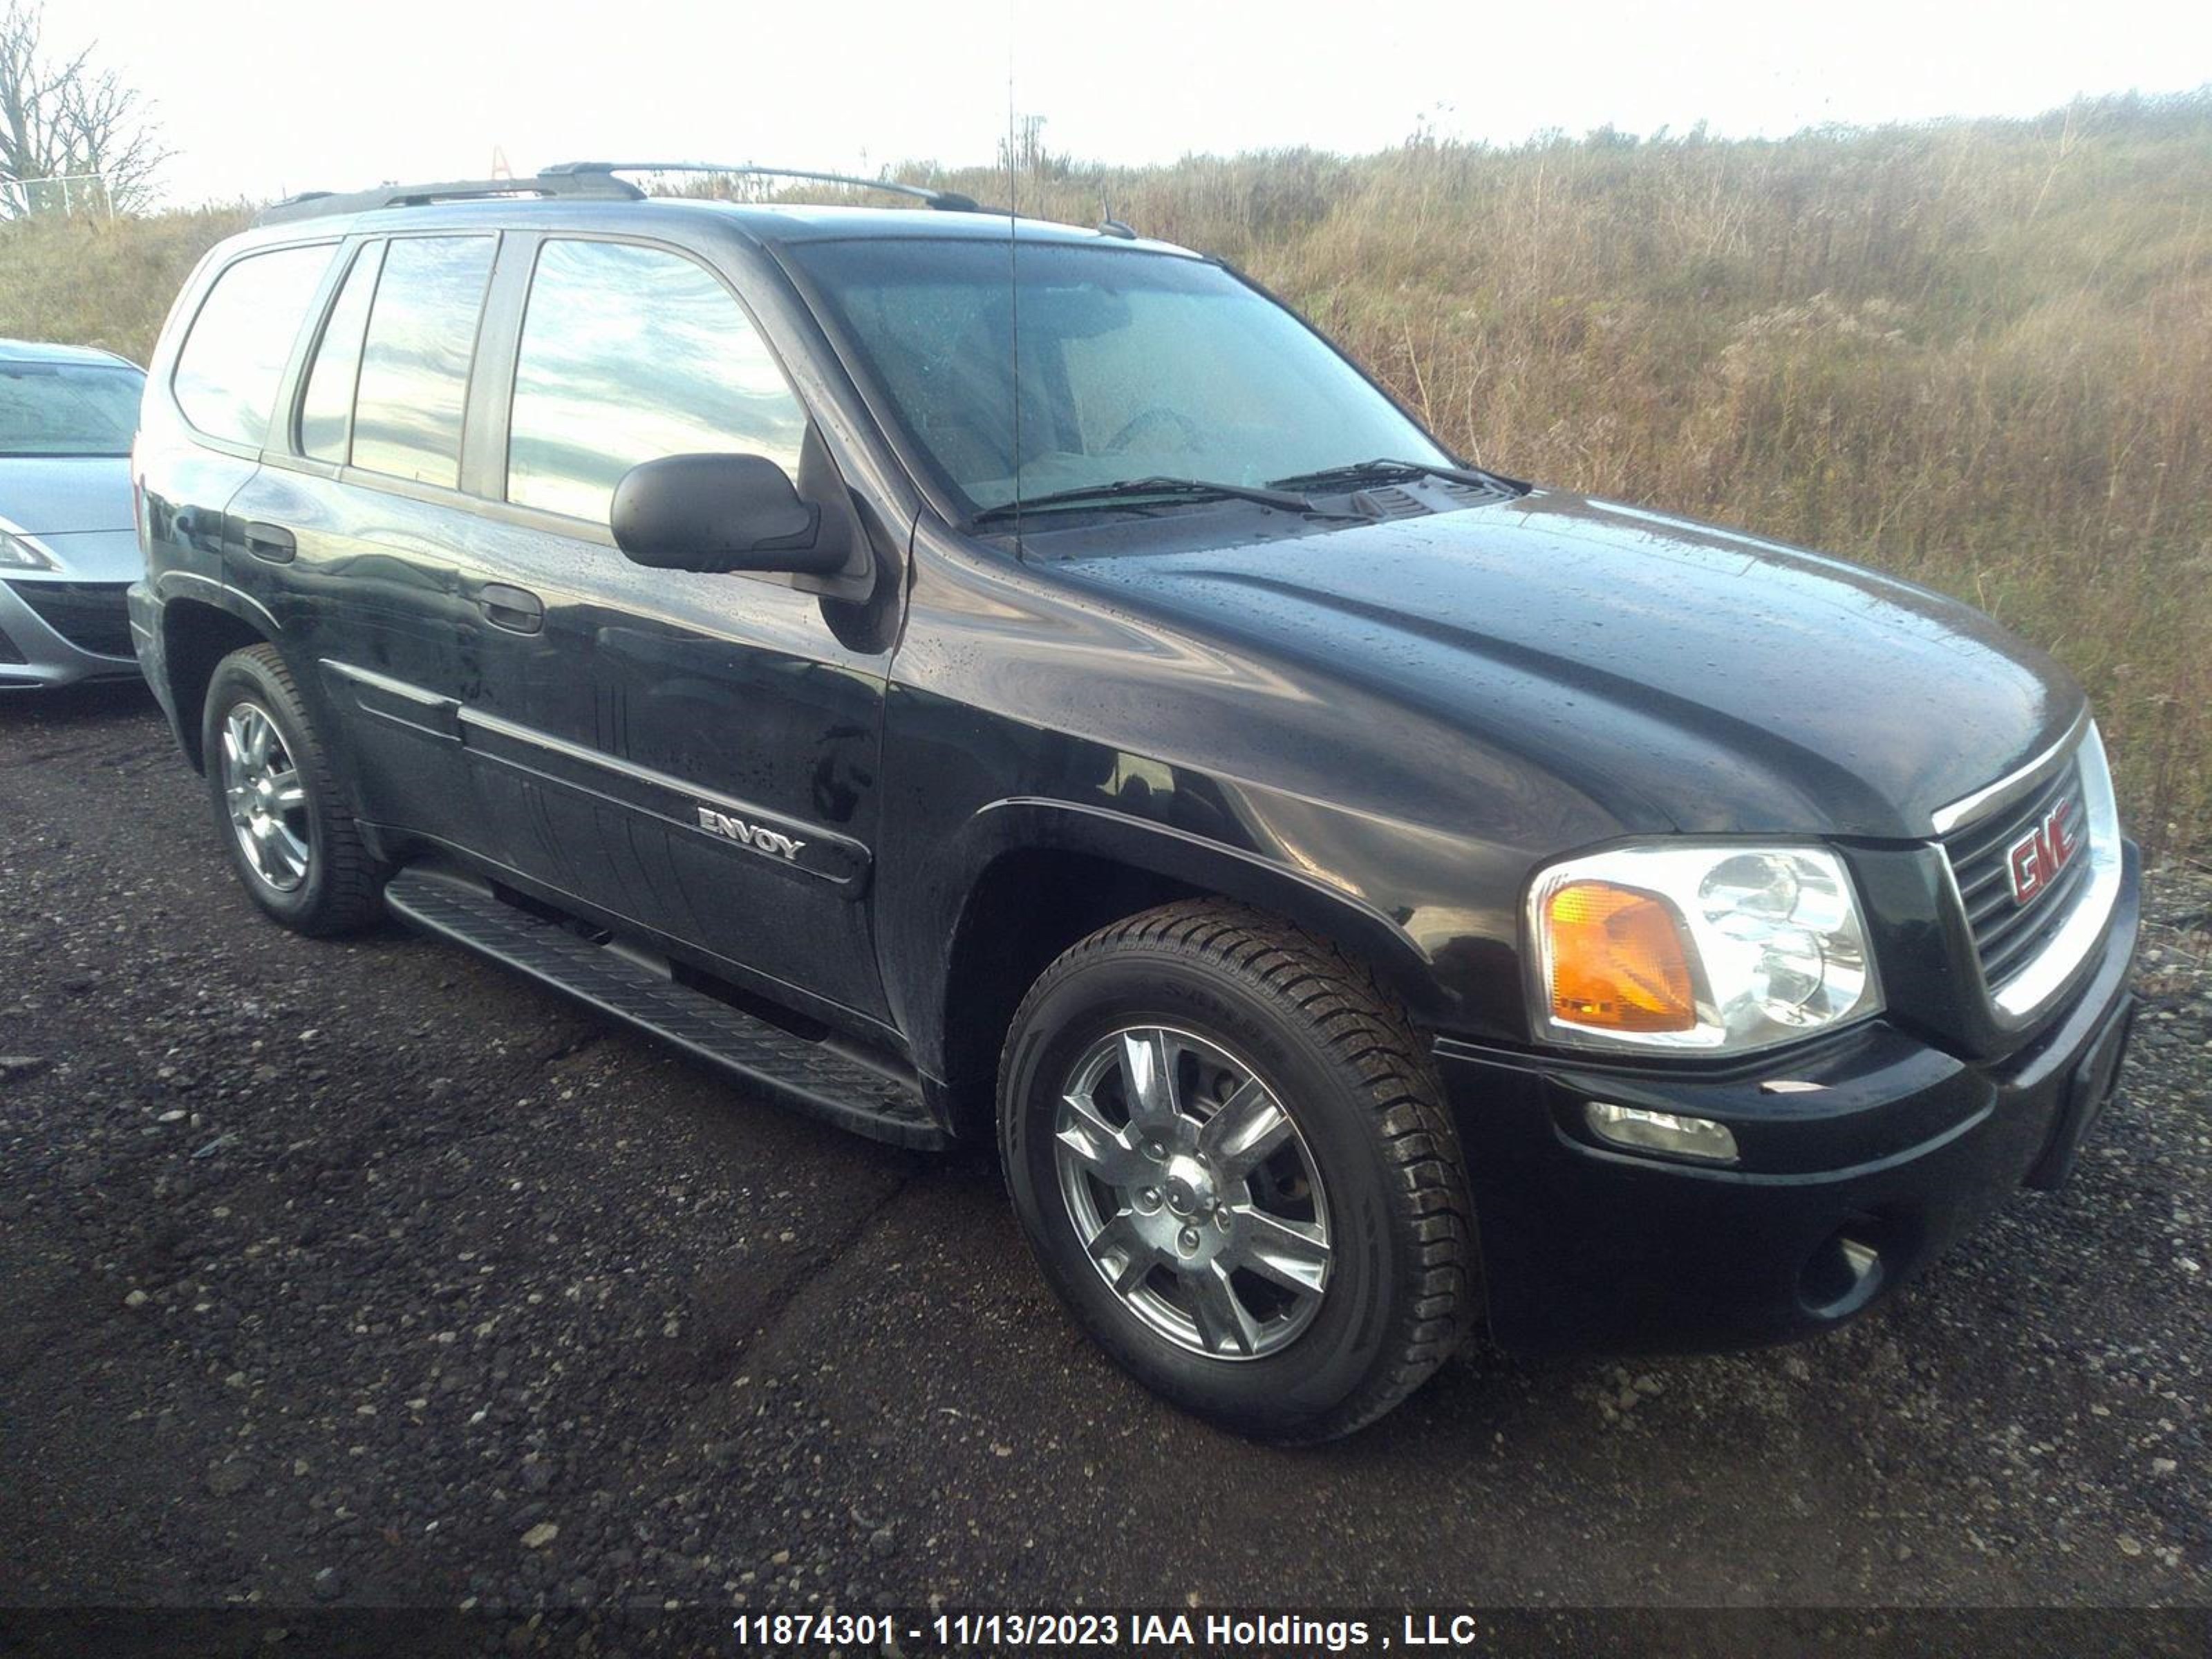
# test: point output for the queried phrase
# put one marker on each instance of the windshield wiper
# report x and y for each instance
(1384, 472)
(1193, 489)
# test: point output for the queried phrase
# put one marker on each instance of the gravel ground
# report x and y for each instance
(362, 1274)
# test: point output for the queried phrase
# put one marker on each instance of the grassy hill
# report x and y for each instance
(1979, 354)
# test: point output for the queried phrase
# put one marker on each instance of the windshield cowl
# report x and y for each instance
(1145, 492)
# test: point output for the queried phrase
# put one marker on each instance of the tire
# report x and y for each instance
(292, 811)
(1348, 1251)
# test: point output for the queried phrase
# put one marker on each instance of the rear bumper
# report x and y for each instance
(59, 632)
(146, 637)
(1839, 1195)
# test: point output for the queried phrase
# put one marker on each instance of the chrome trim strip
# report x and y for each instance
(848, 859)
(2012, 786)
(599, 760)
(817, 836)
(410, 708)
(385, 682)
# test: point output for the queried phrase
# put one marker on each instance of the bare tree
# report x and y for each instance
(64, 116)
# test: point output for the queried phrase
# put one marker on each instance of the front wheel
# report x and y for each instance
(1229, 1154)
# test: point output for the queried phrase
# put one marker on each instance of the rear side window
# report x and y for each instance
(629, 354)
(326, 406)
(415, 363)
(227, 373)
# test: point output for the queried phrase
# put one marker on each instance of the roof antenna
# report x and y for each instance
(1108, 224)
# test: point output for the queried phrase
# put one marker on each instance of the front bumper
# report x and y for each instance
(59, 630)
(1840, 1192)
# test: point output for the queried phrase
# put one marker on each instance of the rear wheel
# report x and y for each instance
(295, 847)
(1230, 1160)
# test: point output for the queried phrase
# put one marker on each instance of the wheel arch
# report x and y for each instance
(201, 625)
(1043, 874)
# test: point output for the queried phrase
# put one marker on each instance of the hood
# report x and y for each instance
(1680, 676)
(57, 495)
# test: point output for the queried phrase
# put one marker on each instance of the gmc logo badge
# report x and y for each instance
(2035, 860)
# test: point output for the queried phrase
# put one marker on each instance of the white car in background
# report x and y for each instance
(67, 549)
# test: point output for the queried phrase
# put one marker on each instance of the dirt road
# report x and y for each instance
(360, 1272)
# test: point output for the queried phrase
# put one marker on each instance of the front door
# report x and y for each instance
(695, 752)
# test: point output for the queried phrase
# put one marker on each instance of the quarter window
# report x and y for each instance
(326, 406)
(629, 354)
(227, 371)
(414, 364)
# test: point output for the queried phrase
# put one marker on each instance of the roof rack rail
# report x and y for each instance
(320, 203)
(945, 201)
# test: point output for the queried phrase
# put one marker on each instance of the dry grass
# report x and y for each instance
(1978, 353)
(102, 282)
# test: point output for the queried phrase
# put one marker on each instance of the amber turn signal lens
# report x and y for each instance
(1618, 960)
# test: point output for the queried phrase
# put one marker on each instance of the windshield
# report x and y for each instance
(1133, 365)
(68, 409)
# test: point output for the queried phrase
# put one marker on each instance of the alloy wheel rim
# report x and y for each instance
(268, 803)
(1192, 1193)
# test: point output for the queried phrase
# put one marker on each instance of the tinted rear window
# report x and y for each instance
(414, 364)
(227, 373)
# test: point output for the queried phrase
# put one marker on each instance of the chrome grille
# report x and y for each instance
(2008, 934)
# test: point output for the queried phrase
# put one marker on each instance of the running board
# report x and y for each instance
(810, 1077)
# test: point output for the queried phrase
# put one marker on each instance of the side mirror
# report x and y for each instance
(719, 512)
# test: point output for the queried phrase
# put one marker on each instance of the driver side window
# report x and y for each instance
(629, 354)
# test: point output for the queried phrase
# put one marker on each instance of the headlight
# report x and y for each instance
(1706, 947)
(17, 553)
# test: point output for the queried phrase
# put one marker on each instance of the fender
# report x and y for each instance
(1020, 823)
(205, 590)
(154, 632)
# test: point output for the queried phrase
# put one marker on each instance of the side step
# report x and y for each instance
(810, 1076)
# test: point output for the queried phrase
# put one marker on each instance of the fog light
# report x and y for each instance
(1661, 1132)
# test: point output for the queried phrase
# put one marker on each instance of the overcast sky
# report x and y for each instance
(261, 99)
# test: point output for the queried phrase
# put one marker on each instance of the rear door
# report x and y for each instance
(356, 535)
(207, 415)
(697, 753)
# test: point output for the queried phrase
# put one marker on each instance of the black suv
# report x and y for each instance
(968, 676)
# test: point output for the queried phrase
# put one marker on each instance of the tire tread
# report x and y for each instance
(353, 886)
(1368, 1035)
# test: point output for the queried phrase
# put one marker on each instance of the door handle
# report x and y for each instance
(511, 608)
(272, 542)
